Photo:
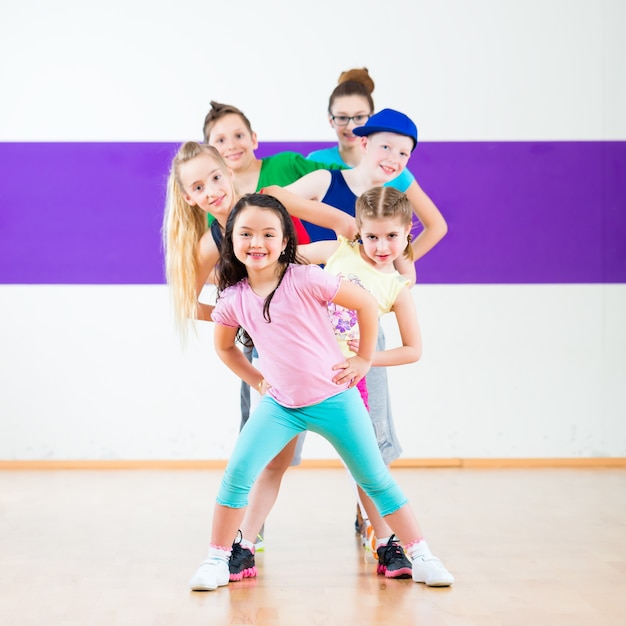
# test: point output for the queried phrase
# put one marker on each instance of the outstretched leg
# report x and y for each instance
(256, 446)
(265, 491)
(354, 439)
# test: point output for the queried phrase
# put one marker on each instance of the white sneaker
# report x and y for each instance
(259, 544)
(211, 574)
(428, 568)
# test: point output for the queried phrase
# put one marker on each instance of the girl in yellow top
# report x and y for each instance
(384, 219)
(384, 222)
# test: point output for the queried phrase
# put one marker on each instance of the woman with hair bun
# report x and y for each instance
(350, 105)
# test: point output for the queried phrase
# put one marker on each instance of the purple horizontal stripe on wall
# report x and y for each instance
(518, 212)
(82, 213)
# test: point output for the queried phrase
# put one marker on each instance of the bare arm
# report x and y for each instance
(435, 226)
(411, 349)
(204, 311)
(406, 267)
(234, 358)
(318, 252)
(313, 211)
(312, 186)
(207, 256)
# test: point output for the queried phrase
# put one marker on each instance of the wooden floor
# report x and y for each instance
(528, 547)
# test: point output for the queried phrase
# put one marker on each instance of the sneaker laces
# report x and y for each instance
(235, 554)
(392, 549)
(236, 547)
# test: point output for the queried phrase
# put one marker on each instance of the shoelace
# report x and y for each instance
(236, 547)
(392, 549)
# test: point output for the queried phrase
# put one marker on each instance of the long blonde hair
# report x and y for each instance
(183, 227)
(385, 202)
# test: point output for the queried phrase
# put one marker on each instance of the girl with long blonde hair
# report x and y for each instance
(200, 185)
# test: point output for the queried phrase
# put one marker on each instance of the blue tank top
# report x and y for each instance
(338, 195)
(216, 231)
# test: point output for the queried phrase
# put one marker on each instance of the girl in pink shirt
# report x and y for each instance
(265, 296)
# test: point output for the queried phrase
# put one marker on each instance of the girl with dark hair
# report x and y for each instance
(266, 297)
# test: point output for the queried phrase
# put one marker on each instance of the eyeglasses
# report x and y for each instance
(344, 120)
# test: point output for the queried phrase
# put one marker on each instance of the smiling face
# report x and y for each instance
(387, 154)
(232, 138)
(384, 240)
(206, 185)
(344, 107)
(258, 238)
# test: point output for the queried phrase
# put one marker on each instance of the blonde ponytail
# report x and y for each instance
(183, 227)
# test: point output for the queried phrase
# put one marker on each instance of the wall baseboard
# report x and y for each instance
(219, 464)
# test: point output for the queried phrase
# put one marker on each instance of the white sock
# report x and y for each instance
(419, 548)
(382, 542)
(219, 553)
(248, 544)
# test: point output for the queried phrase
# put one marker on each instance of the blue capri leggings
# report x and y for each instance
(342, 420)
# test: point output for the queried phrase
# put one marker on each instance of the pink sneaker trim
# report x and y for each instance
(246, 573)
(403, 572)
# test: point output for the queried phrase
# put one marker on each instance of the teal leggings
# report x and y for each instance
(342, 420)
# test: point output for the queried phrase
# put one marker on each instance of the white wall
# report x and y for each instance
(508, 371)
(96, 372)
(145, 70)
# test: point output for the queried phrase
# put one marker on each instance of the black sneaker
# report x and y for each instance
(392, 561)
(241, 564)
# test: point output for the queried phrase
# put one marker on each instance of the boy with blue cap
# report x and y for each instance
(389, 138)
(390, 121)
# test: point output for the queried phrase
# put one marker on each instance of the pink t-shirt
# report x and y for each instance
(298, 348)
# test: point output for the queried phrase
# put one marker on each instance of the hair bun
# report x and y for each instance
(358, 75)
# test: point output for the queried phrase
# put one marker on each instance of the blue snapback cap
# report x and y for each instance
(389, 121)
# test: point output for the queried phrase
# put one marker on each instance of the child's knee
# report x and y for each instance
(281, 462)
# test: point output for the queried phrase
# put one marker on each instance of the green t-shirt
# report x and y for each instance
(285, 168)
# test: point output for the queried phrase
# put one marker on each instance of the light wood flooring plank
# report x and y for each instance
(116, 548)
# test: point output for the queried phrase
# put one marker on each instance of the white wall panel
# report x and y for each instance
(134, 70)
(508, 371)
